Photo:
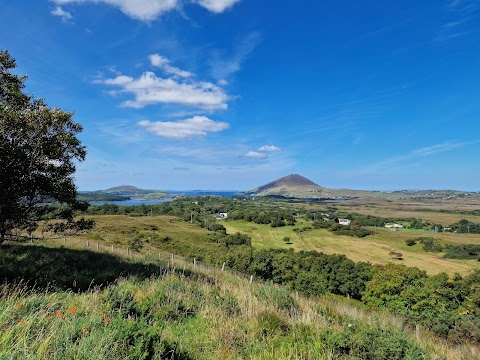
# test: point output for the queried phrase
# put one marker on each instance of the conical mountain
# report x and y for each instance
(292, 185)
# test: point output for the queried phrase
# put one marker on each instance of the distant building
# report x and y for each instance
(221, 216)
(344, 221)
(393, 226)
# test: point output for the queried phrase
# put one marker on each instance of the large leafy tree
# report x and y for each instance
(38, 150)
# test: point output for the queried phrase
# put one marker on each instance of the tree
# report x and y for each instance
(38, 147)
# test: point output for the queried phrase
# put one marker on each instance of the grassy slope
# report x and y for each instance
(374, 249)
(195, 313)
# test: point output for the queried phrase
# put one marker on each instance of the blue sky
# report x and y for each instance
(231, 94)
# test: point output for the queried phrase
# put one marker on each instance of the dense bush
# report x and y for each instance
(466, 251)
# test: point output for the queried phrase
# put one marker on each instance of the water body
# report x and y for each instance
(131, 202)
(227, 193)
(172, 195)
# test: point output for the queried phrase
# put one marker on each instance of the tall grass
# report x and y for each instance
(180, 311)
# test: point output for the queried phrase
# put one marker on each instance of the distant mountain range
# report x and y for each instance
(291, 186)
(127, 190)
(119, 193)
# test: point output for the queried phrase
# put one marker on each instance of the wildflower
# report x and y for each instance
(19, 306)
(107, 320)
(140, 295)
(49, 304)
(59, 314)
(43, 310)
(21, 322)
(73, 310)
(85, 331)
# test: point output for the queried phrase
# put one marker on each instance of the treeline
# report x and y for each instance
(378, 221)
(349, 230)
(448, 306)
(201, 210)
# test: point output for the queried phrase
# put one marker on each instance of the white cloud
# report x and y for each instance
(223, 66)
(150, 89)
(197, 126)
(64, 15)
(149, 10)
(217, 6)
(164, 64)
(269, 148)
(255, 155)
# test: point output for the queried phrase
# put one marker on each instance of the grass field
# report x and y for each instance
(374, 249)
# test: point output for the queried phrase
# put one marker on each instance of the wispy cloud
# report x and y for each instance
(414, 155)
(269, 148)
(62, 14)
(255, 155)
(151, 89)
(224, 65)
(461, 14)
(164, 64)
(149, 10)
(197, 126)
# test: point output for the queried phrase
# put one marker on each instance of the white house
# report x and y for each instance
(222, 216)
(393, 226)
(344, 221)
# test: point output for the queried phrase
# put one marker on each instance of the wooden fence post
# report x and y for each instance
(194, 262)
(251, 278)
(223, 267)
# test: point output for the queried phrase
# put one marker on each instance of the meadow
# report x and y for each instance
(374, 248)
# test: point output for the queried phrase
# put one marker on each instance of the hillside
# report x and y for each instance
(125, 190)
(195, 312)
(293, 185)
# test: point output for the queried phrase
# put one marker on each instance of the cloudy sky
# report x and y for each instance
(230, 94)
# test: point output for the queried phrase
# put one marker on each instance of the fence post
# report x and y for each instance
(417, 331)
(251, 278)
(194, 262)
(98, 246)
(223, 266)
(112, 248)
(88, 243)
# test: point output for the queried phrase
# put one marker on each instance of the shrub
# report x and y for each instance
(410, 242)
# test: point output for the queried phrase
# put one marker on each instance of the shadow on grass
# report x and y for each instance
(68, 269)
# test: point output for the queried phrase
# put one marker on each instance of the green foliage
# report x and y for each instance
(410, 242)
(429, 244)
(39, 148)
(349, 230)
(464, 251)
(135, 244)
(466, 227)
(271, 324)
(363, 341)
(287, 240)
